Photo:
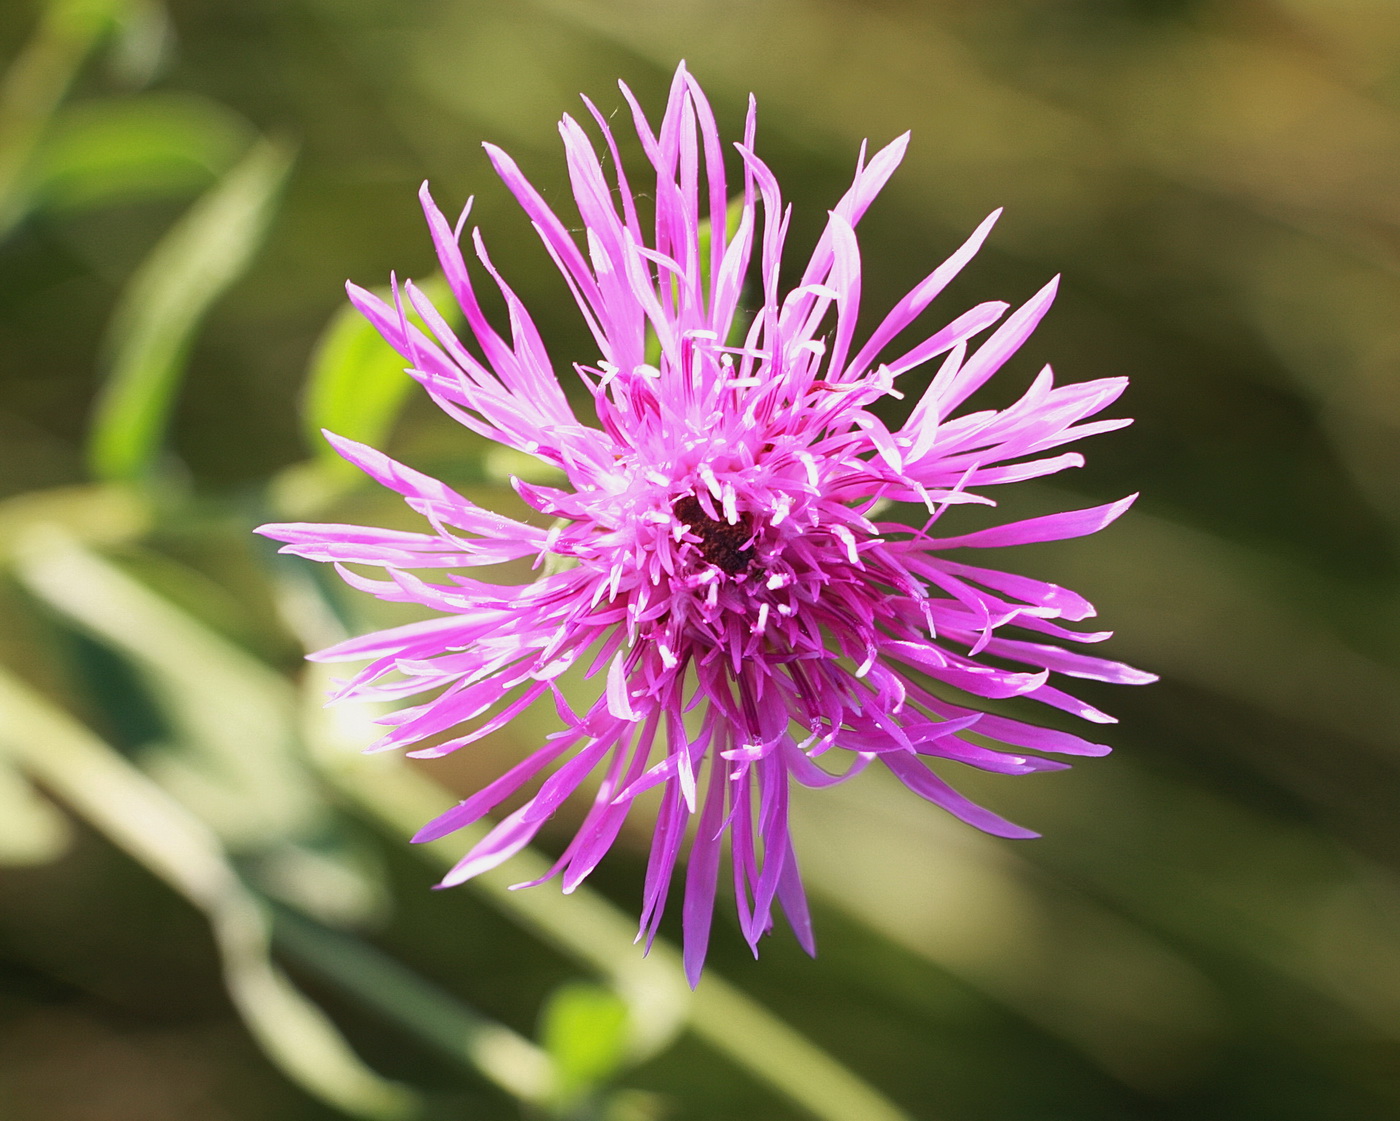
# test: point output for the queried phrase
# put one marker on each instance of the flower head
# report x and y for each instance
(717, 562)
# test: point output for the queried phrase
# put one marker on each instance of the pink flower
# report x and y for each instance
(717, 549)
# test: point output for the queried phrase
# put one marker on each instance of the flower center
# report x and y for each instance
(721, 543)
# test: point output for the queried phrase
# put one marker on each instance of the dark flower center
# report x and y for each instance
(721, 544)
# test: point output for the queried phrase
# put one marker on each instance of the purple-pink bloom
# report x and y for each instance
(716, 548)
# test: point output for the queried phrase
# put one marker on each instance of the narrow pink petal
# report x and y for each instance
(992, 354)
(661, 862)
(794, 902)
(969, 323)
(701, 875)
(454, 509)
(618, 694)
(551, 230)
(1050, 527)
(498, 846)
(489, 797)
(923, 782)
(1070, 663)
(908, 309)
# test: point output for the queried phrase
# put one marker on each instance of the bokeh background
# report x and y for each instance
(208, 909)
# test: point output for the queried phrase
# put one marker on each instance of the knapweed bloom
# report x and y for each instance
(717, 557)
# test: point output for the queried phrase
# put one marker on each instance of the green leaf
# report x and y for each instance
(357, 383)
(153, 146)
(160, 312)
(585, 1033)
(228, 748)
(86, 512)
(76, 19)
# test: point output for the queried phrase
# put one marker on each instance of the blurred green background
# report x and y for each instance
(208, 909)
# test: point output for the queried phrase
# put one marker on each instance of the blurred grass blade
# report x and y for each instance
(87, 513)
(357, 383)
(502, 1056)
(153, 146)
(35, 83)
(143, 45)
(154, 327)
(139, 817)
(238, 762)
(31, 830)
(584, 1031)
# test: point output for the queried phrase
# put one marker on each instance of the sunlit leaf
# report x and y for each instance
(88, 513)
(73, 18)
(500, 464)
(584, 1030)
(160, 312)
(357, 382)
